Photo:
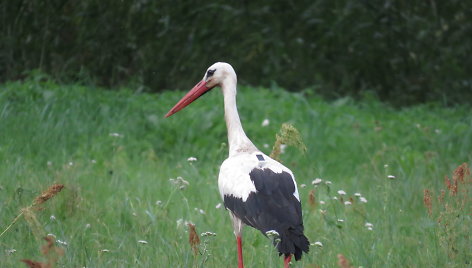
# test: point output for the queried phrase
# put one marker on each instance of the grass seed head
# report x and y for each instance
(288, 135)
(48, 194)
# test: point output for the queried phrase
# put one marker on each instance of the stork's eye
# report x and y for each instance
(210, 72)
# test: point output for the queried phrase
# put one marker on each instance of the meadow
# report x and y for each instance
(133, 180)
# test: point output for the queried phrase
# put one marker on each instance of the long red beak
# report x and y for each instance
(198, 90)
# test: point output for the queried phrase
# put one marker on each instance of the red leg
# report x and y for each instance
(240, 252)
(287, 261)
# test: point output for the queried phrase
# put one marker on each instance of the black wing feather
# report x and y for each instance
(273, 207)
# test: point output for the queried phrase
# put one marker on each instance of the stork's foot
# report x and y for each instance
(287, 261)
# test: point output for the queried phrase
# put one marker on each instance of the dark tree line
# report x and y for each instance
(404, 51)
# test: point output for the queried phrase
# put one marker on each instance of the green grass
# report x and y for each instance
(61, 133)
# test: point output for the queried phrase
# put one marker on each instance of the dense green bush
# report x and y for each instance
(403, 51)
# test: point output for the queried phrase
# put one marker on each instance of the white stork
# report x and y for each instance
(257, 190)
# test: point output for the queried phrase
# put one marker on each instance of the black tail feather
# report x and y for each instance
(294, 242)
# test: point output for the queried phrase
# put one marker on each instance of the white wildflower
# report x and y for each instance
(117, 135)
(323, 211)
(104, 250)
(49, 163)
(93, 161)
(158, 203)
(302, 185)
(71, 163)
(317, 243)
(87, 225)
(52, 218)
(179, 182)
(274, 235)
(52, 235)
(357, 194)
(322, 202)
(10, 251)
(208, 234)
(328, 182)
(192, 159)
(369, 228)
(341, 192)
(265, 145)
(265, 122)
(362, 199)
(392, 177)
(340, 220)
(347, 203)
(218, 205)
(316, 181)
(61, 242)
(182, 222)
(335, 197)
(386, 166)
(142, 242)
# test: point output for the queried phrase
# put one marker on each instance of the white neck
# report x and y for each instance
(237, 139)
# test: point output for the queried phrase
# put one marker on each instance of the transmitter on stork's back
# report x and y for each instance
(257, 190)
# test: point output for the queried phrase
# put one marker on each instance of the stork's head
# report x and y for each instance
(216, 75)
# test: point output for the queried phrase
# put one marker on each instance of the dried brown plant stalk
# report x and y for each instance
(28, 212)
(427, 201)
(34, 264)
(452, 212)
(343, 262)
(50, 251)
(193, 238)
(35, 226)
(312, 199)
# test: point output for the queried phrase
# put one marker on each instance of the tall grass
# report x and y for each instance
(115, 154)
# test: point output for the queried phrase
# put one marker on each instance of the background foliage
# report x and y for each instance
(404, 51)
